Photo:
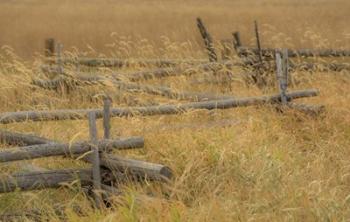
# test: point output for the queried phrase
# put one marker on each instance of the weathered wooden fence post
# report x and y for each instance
(208, 41)
(236, 40)
(96, 174)
(257, 36)
(281, 77)
(107, 102)
(50, 47)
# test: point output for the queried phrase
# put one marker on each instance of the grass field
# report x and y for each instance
(263, 166)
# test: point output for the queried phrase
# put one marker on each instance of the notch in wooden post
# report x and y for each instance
(96, 174)
(107, 103)
(208, 41)
(50, 47)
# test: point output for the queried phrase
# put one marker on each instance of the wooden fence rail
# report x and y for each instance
(54, 149)
(44, 179)
(118, 63)
(269, 52)
(134, 168)
(22, 116)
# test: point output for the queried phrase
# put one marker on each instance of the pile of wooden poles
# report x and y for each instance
(102, 178)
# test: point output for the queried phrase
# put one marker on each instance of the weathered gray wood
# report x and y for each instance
(282, 84)
(153, 74)
(307, 108)
(59, 58)
(268, 52)
(43, 179)
(14, 138)
(46, 150)
(168, 92)
(95, 157)
(321, 66)
(208, 41)
(257, 36)
(107, 117)
(136, 168)
(237, 40)
(22, 116)
(129, 86)
(50, 47)
(141, 169)
(112, 62)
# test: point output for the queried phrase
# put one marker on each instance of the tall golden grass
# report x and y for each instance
(265, 166)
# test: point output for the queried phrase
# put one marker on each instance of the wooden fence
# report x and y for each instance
(97, 152)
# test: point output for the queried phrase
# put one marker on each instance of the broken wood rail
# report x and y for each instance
(22, 116)
(186, 70)
(70, 82)
(269, 52)
(119, 63)
(14, 138)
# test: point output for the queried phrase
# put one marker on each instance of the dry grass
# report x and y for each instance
(78, 23)
(265, 166)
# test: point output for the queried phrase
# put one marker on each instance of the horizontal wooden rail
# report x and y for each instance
(129, 86)
(54, 149)
(22, 116)
(297, 52)
(44, 179)
(141, 169)
(111, 62)
(137, 168)
(14, 138)
(158, 73)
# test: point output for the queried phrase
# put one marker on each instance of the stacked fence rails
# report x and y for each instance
(107, 170)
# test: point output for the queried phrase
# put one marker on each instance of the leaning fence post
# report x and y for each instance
(208, 41)
(50, 47)
(257, 36)
(107, 117)
(281, 78)
(96, 174)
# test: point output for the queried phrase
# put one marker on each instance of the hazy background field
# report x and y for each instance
(24, 24)
(264, 166)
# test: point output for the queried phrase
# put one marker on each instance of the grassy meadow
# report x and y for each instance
(261, 165)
